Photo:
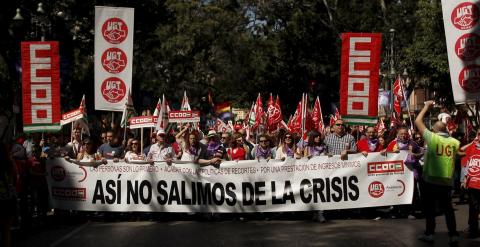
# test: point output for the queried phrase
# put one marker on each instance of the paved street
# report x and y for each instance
(281, 231)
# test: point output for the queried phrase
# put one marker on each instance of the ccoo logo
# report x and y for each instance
(114, 30)
(376, 189)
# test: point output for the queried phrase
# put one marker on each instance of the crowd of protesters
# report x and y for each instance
(24, 190)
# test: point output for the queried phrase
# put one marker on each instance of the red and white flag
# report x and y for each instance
(156, 112)
(380, 127)
(397, 96)
(317, 116)
(259, 113)
(162, 122)
(41, 86)
(185, 105)
(274, 113)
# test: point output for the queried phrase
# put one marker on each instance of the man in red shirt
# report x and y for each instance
(370, 144)
(472, 183)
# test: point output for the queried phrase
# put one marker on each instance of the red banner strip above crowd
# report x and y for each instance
(41, 86)
(360, 64)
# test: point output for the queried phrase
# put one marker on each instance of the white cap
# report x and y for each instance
(211, 133)
(160, 132)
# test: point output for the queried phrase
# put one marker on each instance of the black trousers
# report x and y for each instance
(473, 209)
(431, 194)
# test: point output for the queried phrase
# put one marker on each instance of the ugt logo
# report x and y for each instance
(113, 89)
(465, 16)
(114, 60)
(114, 30)
(469, 78)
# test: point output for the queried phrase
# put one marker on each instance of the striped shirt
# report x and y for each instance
(336, 144)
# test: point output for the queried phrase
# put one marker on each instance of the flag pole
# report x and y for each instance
(141, 140)
(406, 102)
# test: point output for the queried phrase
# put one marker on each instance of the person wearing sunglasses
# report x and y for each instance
(263, 150)
(315, 145)
(134, 154)
(287, 149)
(88, 153)
(370, 144)
(340, 142)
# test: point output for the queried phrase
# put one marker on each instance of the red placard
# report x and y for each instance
(41, 86)
(360, 64)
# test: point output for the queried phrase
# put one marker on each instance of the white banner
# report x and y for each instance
(142, 122)
(113, 56)
(462, 32)
(245, 186)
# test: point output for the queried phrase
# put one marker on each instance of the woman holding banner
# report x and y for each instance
(287, 149)
(134, 154)
(88, 153)
(263, 150)
(315, 147)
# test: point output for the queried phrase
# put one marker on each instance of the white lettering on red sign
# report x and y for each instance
(358, 78)
(40, 87)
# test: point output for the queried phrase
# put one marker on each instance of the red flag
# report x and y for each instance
(317, 116)
(380, 127)
(259, 114)
(274, 113)
(332, 120)
(296, 122)
(397, 97)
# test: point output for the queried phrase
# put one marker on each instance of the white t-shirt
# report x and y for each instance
(158, 153)
(131, 156)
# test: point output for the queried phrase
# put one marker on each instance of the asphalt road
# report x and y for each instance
(283, 230)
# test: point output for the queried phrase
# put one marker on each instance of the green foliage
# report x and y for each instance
(235, 49)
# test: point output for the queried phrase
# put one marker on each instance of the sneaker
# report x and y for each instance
(411, 217)
(378, 218)
(426, 238)
(453, 240)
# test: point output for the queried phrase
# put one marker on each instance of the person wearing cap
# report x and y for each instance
(161, 151)
(214, 147)
(437, 175)
(196, 152)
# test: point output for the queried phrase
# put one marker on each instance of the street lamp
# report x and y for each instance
(392, 66)
(40, 23)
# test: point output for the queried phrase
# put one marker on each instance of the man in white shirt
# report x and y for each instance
(75, 146)
(161, 151)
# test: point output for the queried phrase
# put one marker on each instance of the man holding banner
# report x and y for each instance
(437, 175)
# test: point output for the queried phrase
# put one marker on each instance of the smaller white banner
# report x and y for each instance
(184, 116)
(142, 122)
(71, 116)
